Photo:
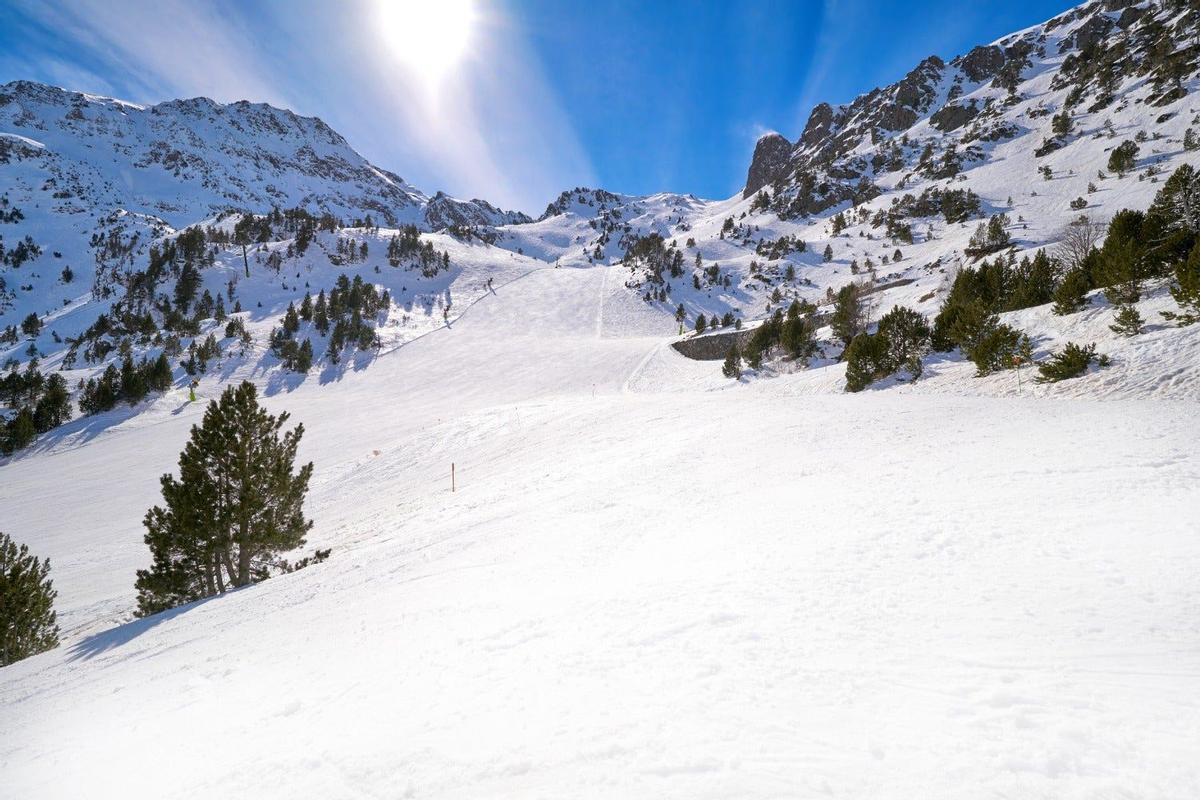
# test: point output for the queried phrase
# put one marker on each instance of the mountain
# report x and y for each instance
(185, 160)
(1094, 62)
(561, 558)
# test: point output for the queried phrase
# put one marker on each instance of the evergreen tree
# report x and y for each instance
(304, 357)
(865, 359)
(1176, 206)
(827, 256)
(1061, 123)
(733, 363)
(235, 506)
(160, 377)
(906, 336)
(291, 321)
(701, 324)
(20, 431)
(321, 314)
(133, 382)
(28, 624)
(1127, 322)
(186, 286)
(1121, 271)
(1186, 289)
(798, 337)
(54, 406)
(1123, 158)
(1070, 295)
(1070, 362)
(848, 318)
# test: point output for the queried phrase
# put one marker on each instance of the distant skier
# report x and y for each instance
(192, 390)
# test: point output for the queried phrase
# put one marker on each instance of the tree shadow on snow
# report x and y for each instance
(357, 362)
(99, 643)
(79, 431)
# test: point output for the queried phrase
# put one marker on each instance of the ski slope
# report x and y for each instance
(645, 586)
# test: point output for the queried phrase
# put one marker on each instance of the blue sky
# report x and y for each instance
(544, 95)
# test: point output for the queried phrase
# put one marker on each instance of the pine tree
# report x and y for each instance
(1176, 206)
(304, 357)
(235, 506)
(848, 313)
(733, 363)
(133, 382)
(1186, 289)
(798, 337)
(20, 431)
(291, 321)
(54, 406)
(827, 256)
(321, 314)
(1071, 294)
(161, 378)
(864, 357)
(1071, 361)
(701, 324)
(1127, 322)
(186, 286)
(28, 625)
(1123, 158)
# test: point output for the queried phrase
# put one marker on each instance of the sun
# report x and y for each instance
(428, 37)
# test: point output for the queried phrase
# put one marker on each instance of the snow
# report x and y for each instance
(651, 581)
(640, 588)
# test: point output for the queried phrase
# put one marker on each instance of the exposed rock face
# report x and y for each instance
(820, 125)
(1129, 17)
(846, 149)
(953, 116)
(982, 63)
(919, 87)
(770, 162)
(713, 346)
(1087, 34)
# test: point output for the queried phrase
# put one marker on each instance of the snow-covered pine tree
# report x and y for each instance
(236, 505)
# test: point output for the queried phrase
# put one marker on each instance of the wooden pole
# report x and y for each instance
(451, 477)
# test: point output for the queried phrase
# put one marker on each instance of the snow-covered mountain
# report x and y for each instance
(649, 580)
(185, 160)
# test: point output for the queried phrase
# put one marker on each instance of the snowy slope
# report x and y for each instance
(652, 581)
(890, 595)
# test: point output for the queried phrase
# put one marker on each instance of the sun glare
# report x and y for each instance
(428, 37)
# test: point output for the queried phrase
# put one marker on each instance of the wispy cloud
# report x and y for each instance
(492, 129)
(157, 48)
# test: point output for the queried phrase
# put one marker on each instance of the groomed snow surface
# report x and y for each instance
(651, 582)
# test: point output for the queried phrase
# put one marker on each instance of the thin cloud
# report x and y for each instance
(495, 129)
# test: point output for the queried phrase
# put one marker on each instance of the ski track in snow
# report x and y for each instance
(902, 593)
